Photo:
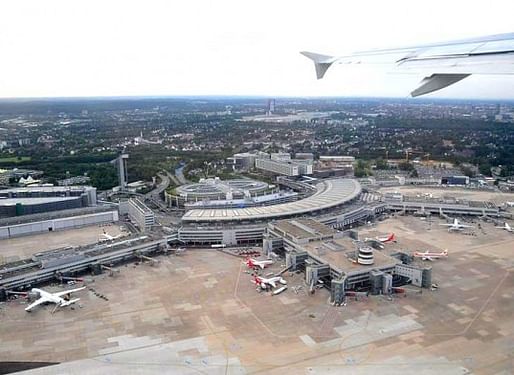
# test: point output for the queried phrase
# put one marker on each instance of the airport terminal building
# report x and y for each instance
(334, 259)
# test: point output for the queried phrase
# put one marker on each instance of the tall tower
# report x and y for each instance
(122, 171)
(271, 107)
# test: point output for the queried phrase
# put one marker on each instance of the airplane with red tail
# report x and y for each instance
(253, 263)
(386, 239)
(265, 282)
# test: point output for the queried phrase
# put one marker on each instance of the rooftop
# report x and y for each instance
(32, 201)
(339, 253)
(329, 194)
(304, 228)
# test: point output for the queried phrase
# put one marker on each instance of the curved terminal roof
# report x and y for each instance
(329, 193)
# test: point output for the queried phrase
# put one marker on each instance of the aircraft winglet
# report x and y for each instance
(321, 62)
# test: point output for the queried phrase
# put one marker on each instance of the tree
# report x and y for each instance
(406, 166)
(381, 164)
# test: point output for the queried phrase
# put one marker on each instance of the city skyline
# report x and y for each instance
(202, 48)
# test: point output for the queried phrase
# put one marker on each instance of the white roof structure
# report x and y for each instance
(329, 193)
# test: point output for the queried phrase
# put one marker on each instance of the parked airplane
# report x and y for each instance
(272, 281)
(430, 256)
(456, 225)
(507, 227)
(107, 237)
(60, 299)
(386, 239)
(252, 263)
(443, 64)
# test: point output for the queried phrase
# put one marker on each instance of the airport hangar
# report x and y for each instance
(33, 200)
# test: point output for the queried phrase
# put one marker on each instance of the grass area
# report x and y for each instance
(15, 159)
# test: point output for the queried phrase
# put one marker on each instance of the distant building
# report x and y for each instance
(246, 160)
(339, 159)
(282, 164)
(271, 107)
(280, 156)
(278, 167)
(304, 156)
(334, 166)
(455, 180)
(76, 180)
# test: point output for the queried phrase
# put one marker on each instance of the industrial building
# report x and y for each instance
(75, 220)
(338, 262)
(455, 180)
(33, 200)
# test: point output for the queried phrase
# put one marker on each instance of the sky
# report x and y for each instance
(61, 48)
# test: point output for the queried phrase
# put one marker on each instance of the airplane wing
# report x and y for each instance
(442, 63)
(273, 284)
(63, 293)
(261, 265)
(38, 302)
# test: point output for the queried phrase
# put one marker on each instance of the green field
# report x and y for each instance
(14, 159)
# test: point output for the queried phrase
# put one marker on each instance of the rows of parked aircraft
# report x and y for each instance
(63, 299)
(265, 282)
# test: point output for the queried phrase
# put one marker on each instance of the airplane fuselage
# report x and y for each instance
(48, 296)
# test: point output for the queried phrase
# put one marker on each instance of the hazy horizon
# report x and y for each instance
(58, 48)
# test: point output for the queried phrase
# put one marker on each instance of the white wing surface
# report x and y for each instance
(443, 64)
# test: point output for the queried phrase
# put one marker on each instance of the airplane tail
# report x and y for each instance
(390, 238)
(321, 62)
(445, 253)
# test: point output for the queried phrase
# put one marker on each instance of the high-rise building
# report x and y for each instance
(271, 107)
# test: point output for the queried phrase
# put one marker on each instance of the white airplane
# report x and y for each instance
(272, 281)
(443, 64)
(57, 298)
(387, 238)
(107, 237)
(456, 225)
(507, 227)
(252, 263)
(430, 256)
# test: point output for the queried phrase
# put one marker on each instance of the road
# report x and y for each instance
(180, 175)
(154, 195)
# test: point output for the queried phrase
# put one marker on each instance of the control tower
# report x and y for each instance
(122, 171)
